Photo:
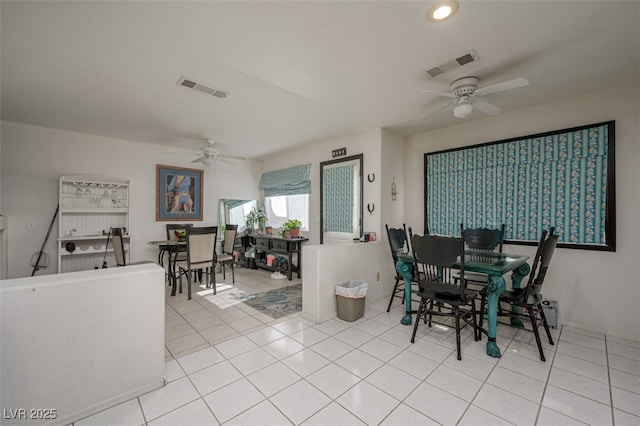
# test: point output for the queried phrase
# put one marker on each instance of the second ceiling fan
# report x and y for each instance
(465, 95)
(210, 154)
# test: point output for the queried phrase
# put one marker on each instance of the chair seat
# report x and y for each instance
(514, 296)
(473, 277)
(199, 265)
(443, 291)
(224, 257)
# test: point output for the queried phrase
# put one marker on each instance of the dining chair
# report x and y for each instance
(481, 242)
(526, 303)
(117, 242)
(226, 257)
(200, 256)
(398, 243)
(441, 258)
(179, 251)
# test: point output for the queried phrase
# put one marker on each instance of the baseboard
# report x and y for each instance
(112, 402)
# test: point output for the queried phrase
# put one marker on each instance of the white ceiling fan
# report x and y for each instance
(465, 94)
(210, 154)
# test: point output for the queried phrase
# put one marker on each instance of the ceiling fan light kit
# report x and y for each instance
(462, 110)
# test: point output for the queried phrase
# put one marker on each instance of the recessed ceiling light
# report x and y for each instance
(442, 11)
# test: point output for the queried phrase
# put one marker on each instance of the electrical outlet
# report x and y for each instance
(377, 276)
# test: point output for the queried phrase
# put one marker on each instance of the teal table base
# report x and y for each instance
(405, 270)
(495, 286)
(516, 279)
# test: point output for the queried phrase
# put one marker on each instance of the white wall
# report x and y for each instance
(80, 342)
(367, 143)
(383, 157)
(328, 265)
(393, 149)
(594, 289)
(33, 158)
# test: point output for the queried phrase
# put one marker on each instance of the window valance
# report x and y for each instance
(291, 181)
(234, 203)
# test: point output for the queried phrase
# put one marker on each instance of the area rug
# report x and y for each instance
(277, 303)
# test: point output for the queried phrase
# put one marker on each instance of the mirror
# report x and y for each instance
(234, 212)
(341, 199)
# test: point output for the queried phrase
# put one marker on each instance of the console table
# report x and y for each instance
(284, 247)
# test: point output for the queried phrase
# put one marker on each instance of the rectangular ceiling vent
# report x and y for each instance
(209, 90)
(464, 59)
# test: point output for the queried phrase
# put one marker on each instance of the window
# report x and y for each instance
(281, 208)
(286, 195)
(564, 178)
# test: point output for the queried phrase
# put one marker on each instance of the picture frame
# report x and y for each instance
(178, 193)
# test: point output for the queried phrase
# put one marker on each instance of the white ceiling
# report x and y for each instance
(299, 71)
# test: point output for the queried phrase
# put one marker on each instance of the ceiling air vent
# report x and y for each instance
(209, 90)
(465, 58)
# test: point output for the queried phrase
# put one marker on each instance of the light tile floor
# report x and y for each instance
(228, 364)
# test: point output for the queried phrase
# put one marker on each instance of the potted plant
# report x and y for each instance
(256, 217)
(290, 228)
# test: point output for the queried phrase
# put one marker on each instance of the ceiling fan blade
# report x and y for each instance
(233, 157)
(486, 107)
(438, 93)
(198, 160)
(505, 85)
(182, 153)
(441, 107)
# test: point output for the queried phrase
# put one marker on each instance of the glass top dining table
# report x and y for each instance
(495, 265)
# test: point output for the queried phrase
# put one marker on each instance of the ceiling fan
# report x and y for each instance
(465, 94)
(210, 154)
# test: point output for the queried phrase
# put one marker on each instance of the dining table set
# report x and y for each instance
(494, 265)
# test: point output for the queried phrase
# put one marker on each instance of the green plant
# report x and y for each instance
(256, 216)
(288, 226)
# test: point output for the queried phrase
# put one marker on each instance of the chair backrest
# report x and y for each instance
(201, 244)
(485, 239)
(441, 258)
(118, 246)
(544, 253)
(398, 240)
(230, 232)
(398, 243)
(172, 227)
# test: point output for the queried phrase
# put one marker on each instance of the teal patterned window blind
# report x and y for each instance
(339, 195)
(564, 179)
(291, 181)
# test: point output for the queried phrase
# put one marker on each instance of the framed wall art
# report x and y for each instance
(178, 193)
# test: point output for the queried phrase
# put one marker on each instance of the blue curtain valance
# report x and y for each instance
(235, 203)
(292, 181)
(561, 147)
